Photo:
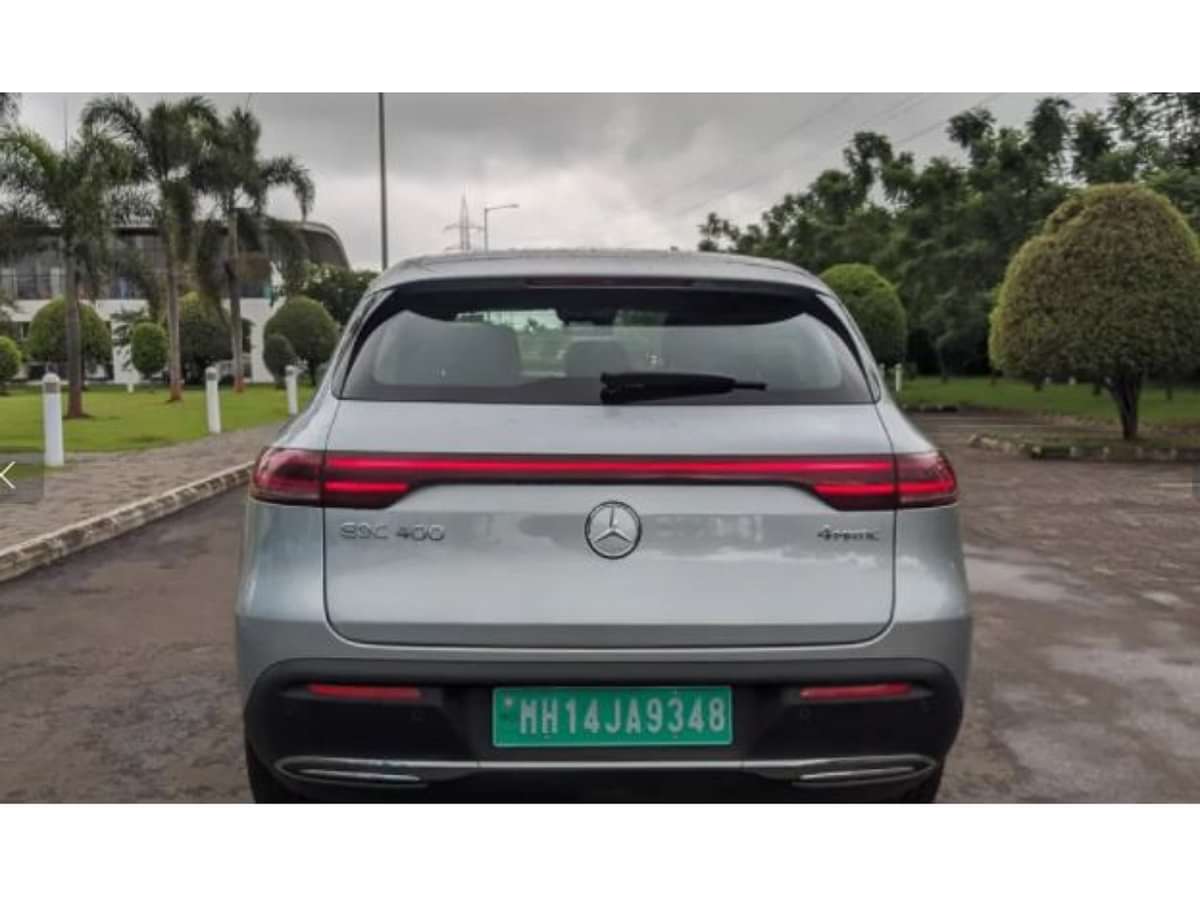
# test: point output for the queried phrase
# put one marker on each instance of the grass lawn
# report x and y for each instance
(1056, 399)
(123, 421)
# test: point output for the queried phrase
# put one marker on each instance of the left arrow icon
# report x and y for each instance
(4, 475)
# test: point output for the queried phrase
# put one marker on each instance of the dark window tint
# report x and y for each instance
(553, 345)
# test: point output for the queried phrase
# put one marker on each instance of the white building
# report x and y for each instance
(33, 280)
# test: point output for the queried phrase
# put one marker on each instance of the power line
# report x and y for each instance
(758, 151)
(888, 114)
(940, 123)
(745, 184)
(987, 100)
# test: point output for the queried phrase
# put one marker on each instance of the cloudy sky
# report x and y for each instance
(595, 170)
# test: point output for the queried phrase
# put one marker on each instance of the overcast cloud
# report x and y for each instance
(594, 170)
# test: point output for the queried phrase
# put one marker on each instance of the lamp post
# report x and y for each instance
(383, 235)
(491, 209)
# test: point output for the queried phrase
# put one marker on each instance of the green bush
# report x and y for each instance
(47, 340)
(335, 288)
(204, 337)
(10, 362)
(148, 349)
(278, 355)
(875, 305)
(1108, 291)
(309, 329)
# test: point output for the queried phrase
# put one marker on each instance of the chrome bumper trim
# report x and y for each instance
(413, 772)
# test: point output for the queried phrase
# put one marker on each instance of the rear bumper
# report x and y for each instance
(443, 740)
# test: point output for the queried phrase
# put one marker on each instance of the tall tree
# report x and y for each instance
(77, 194)
(1152, 138)
(943, 232)
(241, 181)
(9, 103)
(164, 144)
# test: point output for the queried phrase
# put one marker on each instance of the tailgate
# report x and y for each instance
(510, 564)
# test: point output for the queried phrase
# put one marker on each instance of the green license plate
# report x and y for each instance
(612, 717)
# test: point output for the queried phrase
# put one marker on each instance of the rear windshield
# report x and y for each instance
(554, 346)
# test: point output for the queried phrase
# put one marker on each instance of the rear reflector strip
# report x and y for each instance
(856, 691)
(365, 691)
(375, 481)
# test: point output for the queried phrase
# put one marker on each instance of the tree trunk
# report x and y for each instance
(1126, 390)
(1170, 390)
(74, 334)
(174, 347)
(235, 301)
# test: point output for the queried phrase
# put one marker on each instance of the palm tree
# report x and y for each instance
(77, 193)
(240, 182)
(164, 142)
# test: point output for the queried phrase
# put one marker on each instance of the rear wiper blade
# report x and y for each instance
(630, 387)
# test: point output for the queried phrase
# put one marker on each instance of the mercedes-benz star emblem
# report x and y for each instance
(613, 530)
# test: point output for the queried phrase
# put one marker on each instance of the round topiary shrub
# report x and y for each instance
(1108, 291)
(47, 340)
(278, 355)
(875, 305)
(10, 362)
(203, 337)
(309, 329)
(148, 349)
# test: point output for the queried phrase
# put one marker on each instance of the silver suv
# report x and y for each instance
(615, 520)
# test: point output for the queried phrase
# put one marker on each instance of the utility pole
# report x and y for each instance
(463, 226)
(492, 209)
(383, 235)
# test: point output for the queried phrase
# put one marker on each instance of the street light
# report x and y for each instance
(383, 235)
(491, 209)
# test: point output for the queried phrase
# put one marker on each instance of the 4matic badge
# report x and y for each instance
(841, 534)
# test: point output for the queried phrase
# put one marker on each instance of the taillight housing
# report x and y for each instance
(375, 481)
(925, 479)
(284, 475)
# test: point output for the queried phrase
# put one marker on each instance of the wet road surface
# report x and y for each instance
(117, 682)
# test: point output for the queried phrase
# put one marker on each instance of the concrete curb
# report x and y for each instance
(1107, 453)
(928, 408)
(47, 548)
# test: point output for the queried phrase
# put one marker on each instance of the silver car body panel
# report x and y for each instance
(747, 592)
(719, 564)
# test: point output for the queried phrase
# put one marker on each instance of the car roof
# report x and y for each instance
(595, 263)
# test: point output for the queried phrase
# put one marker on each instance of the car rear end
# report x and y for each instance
(601, 519)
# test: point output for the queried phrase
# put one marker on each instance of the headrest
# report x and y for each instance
(429, 351)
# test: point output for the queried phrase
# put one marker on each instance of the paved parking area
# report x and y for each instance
(94, 483)
(116, 666)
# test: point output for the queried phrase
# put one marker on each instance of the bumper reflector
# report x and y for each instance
(365, 691)
(856, 691)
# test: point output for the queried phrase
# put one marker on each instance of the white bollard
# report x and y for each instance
(898, 372)
(129, 387)
(52, 427)
(290, 375)
(211, 400)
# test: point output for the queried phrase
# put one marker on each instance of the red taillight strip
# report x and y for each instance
(633, 467)
(925, 479)
(856, 691)
(375, 481)
(353, 479)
